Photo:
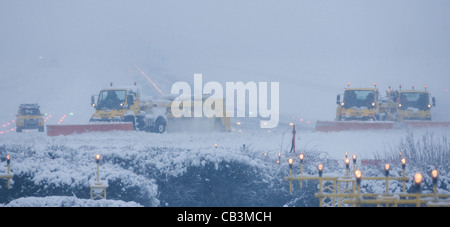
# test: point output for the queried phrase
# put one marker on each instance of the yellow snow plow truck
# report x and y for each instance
(358, 104)
(146, 114)
(126, 105)
(29, 117)
(413, 105)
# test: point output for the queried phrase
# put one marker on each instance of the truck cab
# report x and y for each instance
(414, 105)
(29, 117)
(358, 104)
(115, 104)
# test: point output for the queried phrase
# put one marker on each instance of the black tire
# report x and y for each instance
(140, 124)
(18, 129)
(41, 129)
(131, 119)
(160, 125)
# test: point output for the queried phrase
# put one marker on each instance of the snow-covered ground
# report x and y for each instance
(66, 201)
(138, 166)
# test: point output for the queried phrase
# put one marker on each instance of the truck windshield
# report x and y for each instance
(30, 111)
(358, 98)
(111, 99)
(417, 100)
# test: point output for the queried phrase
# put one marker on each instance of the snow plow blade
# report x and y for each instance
(426, 124)
(57, 130)
(334, 126)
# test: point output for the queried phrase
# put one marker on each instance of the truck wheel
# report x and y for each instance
(131, 119)
(140, 124)
(41, 129)
(18, 129)
(160, 125)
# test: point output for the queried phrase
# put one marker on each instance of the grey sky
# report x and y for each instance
(311, 47)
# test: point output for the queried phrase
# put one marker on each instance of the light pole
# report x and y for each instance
(403, 161)
(386, 174)
(98, 189)
(417, 181)
(358, 176)
(320, 168)
(291, 162)
(8, 164)
(301, 157)
(434, 175)
(347, 165)
(97, 160)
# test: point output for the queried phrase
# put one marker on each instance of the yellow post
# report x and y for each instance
(339, 191)
(334, 192)
(417, 201)
(290, 184)
(320, 191)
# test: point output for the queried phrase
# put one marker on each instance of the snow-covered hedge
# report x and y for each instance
(178, 169)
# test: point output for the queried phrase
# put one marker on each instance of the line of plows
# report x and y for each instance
(365, 108)
(357, 108)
